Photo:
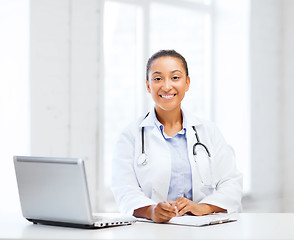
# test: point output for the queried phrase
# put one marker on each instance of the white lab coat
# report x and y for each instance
(135, 185)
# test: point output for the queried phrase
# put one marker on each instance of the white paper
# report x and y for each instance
(198, 221)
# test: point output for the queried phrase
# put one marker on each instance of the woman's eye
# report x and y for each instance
(175, 78)
(157, 78)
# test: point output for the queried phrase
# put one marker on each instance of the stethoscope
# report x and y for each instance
(143, 159)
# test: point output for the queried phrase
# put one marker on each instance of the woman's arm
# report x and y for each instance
(228, 191)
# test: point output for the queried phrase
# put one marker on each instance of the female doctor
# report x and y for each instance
(169, 162)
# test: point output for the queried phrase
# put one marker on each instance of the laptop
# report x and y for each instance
(54, 191)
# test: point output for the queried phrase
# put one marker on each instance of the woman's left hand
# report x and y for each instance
(185, 205)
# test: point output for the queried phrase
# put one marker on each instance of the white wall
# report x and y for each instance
(265, 63)
(64, 74)
(272, 103)
(287, 108)
(14, 96)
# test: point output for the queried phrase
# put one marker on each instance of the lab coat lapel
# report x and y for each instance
(148, 121)
(191, 140)
(162, 167)
(159, 158)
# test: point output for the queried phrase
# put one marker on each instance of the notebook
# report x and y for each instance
(199, 221)
(54, 191)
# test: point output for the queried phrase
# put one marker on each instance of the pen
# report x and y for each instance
(165, 201)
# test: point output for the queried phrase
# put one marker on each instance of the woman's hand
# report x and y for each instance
(185, 205)
(162, 212)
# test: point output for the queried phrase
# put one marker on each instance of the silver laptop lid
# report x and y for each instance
(53, 189)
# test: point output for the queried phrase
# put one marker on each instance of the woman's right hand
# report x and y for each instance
(160, 213)
(163, 212)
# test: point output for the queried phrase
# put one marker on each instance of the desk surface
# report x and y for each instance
(248, 226)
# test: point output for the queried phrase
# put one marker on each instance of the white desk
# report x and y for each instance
(249, 226)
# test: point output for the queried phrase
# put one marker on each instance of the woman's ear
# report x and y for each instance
(148, 86)
(187, 83)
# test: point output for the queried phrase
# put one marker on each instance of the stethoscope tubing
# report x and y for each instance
(199, 143)
(143, 159)
(194, 146)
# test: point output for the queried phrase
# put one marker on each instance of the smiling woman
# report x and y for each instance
(205, 35)
(147, 189)
(167, 81)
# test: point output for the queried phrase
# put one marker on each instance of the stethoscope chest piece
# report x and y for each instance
(142, 160)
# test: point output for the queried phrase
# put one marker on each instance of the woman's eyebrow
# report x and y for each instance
(171, 72)
(156, 73)
(176, 71)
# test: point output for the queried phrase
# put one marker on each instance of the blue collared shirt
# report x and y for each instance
(181, 175)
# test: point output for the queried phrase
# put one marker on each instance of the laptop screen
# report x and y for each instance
(53, 189)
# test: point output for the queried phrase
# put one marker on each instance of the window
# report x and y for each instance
(186, 30)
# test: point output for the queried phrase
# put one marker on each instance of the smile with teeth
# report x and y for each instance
(168, 96)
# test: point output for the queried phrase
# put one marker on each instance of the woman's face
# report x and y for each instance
(167, 82)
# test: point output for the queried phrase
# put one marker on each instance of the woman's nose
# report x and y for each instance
(166, 85)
